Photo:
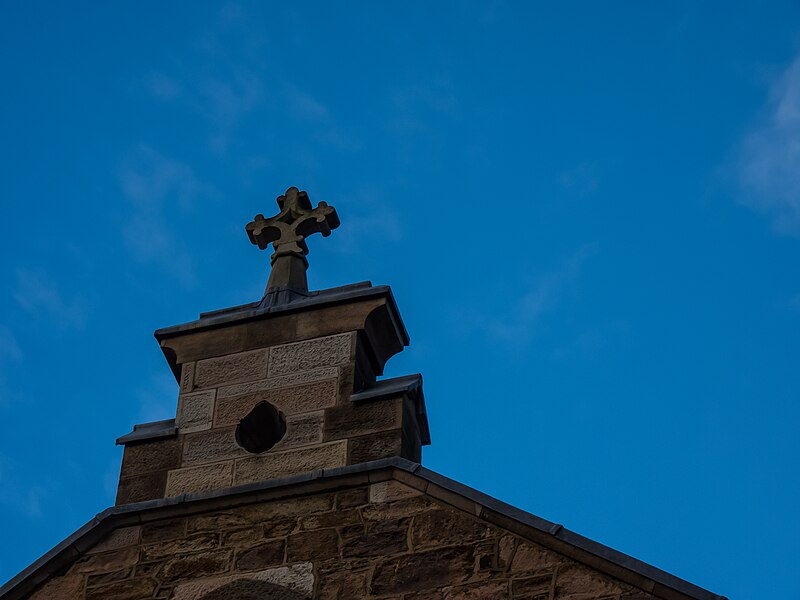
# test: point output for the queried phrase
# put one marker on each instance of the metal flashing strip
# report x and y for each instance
(388, 388)
(149, 431)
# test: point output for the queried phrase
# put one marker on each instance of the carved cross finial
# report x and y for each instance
(287, 232)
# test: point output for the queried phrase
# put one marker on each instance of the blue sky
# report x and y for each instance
(589, 215)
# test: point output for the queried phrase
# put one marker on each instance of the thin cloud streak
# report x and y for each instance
(151, 183)
(769, 161)
(37, 293)
(519, 323)
(16, 497)
(9, 348)
(367, 218)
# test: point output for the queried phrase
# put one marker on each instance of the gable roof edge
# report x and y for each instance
(448, 491)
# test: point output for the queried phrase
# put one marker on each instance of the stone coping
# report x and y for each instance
(538, 530)
(149, 432)
(315, 299)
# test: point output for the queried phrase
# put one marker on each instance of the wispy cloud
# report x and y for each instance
(151, 183)
(520, 320)
(420, 106)
(226, 80)
(769, 160)
(794, 303)
(159, 398)
(581, 179)
(9, 348)
(223, 81)
(368, 216)
(37, 293)
(303, 105)
(16, 496)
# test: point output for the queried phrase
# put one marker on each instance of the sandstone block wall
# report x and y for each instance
(382, 541)
(308, 382)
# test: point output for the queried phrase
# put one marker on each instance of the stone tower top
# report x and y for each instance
(283, 386)
(287, 232)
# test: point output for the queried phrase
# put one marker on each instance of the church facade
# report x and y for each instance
(291, 471)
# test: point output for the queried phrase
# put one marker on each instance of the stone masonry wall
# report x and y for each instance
(383, 541)
(309, 382)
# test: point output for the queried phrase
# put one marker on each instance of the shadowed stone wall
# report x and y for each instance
(383, 541)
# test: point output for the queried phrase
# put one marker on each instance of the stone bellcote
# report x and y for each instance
(279, 387)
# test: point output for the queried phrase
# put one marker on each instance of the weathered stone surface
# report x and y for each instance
(187, 377)
(343, 585)
(350, 420)
(132, 589)
(328, 351)
(147, 457)
(292, 462)
(290, 401)
(199, 479)
(478, 591)
(380, 538)
(243, 366)
(141, 487)
(505, 550)
(200, 564)
(103, 578)
(353, 497)
(390, 491)
(337, 518)
(211, 446)
(268, 554)
(312, 545)
(446, 527)
(280, 527)
(427, 595)
(273, 383)
(197, 542)
(529, 557)
(573, 581)
(159, 531)
(68, 587)
(396, 510)
(219, 521)
(195, 411)
(373, 447)
(532, 587)
(302, 430)
(384, 540)
(119, 538)
(298, 578)
(423, 571)
(240, 538)
(283, 509)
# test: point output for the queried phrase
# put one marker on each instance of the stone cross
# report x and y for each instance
(287, 232)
